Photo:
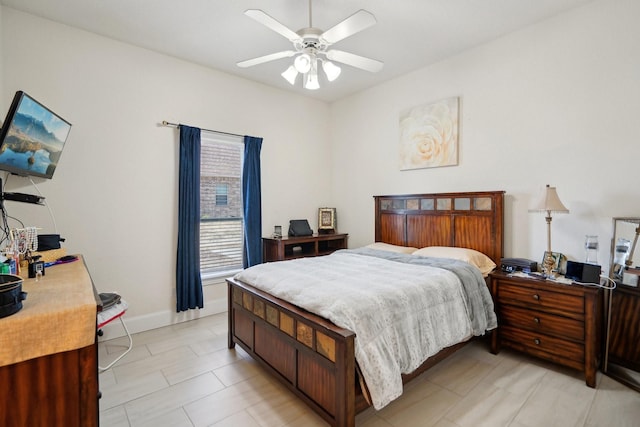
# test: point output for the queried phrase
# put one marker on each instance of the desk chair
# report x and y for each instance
(108, 315)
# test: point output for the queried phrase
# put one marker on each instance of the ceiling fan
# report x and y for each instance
(311, 46)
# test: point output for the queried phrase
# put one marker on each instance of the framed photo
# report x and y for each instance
(559, 262)
(327, 220)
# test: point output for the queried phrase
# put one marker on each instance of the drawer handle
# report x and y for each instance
(536, 297)
(537, 341)
(537, 320)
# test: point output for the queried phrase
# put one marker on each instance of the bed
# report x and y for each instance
(315, 358)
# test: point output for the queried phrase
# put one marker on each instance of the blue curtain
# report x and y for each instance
(252, 202)
(188, 280)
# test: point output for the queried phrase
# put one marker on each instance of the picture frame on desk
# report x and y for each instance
(327, 220)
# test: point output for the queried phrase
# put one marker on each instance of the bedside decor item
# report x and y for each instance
(327, 220)
(429, 135)
(277, 231)
(591, 248)
(511, 265)
(620, 252)
(549, 202)
(559, 261)
(583, 272)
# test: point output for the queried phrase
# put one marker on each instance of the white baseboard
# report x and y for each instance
(162, 318)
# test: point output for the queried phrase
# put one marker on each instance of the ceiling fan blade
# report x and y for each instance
(266, 58)
(271, 23)
(356, 61)
(355, 23)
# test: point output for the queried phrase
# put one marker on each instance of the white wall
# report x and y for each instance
(114, 194)
(556, 103)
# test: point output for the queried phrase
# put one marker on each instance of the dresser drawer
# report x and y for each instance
(565, 352)
(533, 297)
(541, 322)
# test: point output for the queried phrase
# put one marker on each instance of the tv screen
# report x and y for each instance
(32, 138)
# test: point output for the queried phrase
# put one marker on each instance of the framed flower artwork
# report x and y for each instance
(429, 135)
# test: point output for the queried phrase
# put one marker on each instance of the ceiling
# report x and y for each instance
(409, 34)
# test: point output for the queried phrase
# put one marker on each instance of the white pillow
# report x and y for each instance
(480, 260)
(392, 248)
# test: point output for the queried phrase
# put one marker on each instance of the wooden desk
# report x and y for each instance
(319, 244)
(49, 353)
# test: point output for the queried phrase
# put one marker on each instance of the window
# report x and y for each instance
(221, 223)
(222, 191)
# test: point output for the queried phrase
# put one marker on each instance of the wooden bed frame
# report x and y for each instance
(313, 357)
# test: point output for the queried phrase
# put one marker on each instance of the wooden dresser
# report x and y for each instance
(49, 353)
(624, 330)
(557, 322)
(297, 247)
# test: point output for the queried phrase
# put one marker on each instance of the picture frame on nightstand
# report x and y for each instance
(559, 262)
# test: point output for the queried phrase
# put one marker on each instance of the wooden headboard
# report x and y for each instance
(470, 220)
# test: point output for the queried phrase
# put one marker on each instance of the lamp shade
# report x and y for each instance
(331, 70)
(302, 63)
(290, 74)
(549, 202)
(311, 82)
(311, 78)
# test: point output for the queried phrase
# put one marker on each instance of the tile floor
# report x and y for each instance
(184, 376)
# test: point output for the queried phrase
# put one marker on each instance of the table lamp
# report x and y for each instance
(549, 202)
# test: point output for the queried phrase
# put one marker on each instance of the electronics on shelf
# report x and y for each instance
(22, 197)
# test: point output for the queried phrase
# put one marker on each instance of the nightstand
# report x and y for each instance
(556, 322)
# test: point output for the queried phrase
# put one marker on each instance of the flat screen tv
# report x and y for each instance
(32, 138)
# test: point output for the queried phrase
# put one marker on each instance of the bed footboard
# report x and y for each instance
(309, 355)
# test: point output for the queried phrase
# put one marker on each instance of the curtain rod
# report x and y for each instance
(177, 125)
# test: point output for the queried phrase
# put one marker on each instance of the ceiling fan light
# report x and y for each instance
(290, 74)
(311, 81)
(331, 70)
(302, 63)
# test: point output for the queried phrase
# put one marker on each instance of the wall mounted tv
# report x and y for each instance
(32, 138)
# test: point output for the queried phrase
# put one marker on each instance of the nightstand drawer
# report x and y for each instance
(541, 322)
(534, 297)
(534, 343)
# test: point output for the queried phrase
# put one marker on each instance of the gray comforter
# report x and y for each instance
(402, 308)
